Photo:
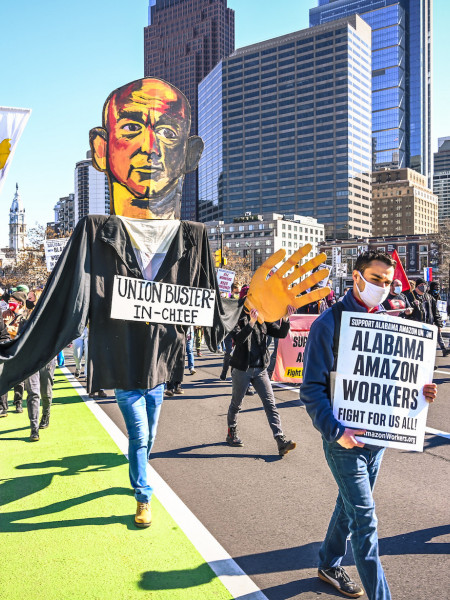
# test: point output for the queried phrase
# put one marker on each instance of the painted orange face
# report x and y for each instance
(148, 127)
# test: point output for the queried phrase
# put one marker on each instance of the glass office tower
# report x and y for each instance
(401, 76)
(441, 179)
(287, 129)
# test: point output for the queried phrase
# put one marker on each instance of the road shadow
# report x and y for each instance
(434, 441)
(11, 521)
(187, 452)
(291, 559)
(16, 488)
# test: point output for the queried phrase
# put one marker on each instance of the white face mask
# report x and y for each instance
(372, 295)
(398, 289)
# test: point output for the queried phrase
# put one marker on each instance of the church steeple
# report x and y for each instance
(17, 226)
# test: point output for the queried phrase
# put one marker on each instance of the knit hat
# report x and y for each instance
(419, 280)
(20, 296)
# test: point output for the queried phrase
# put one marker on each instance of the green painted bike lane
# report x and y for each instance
(66, 518)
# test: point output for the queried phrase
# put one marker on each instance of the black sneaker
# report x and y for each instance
(232, 438)
(3, 412)
(19, 407)
(77, 373)
(45, 421)
(340, 579)
(284, 445)
(250, 391)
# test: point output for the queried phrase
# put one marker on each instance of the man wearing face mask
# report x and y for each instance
(396, 301)
(353, 464)
(425, 310)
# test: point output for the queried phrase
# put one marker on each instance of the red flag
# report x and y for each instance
(399, 272)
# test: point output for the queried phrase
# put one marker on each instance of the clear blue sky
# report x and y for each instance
(62, 59)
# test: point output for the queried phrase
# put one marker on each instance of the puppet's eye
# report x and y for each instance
(133, 127)
(167, 133)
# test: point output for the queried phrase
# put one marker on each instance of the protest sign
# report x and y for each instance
(225, 279)
(155, 302)
(289, 363)
(383, 364)
(53, 250)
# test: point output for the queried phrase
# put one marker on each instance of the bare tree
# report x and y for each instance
(241, 265)
(442, 239)
(29, 269)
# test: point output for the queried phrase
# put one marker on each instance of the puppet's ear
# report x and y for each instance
(195, 147)
(97, 141)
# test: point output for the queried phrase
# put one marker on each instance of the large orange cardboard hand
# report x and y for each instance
(271, 297)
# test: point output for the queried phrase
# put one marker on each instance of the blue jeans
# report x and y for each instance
(140, 410)
(190, 352)
(355, 472)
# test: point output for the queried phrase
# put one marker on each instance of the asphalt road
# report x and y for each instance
(271, 514)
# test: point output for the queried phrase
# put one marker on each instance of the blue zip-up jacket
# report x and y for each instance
(318, 361)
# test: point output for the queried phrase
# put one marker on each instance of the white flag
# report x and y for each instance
(12, 124)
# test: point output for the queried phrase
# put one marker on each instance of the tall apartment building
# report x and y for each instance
(287, 129)
(91, 190)
(183, 42)
(441, 179)
(401, 77)
(64, 214)
(402, 204)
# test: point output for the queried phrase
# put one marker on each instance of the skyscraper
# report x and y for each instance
(183, 42)
(287, 129)
(401, 76)
(441, 179)
(91, 190)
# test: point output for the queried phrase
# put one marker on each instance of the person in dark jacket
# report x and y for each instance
(250, 360)
(4, 335)
(425, 310)
(396, 301)
(353, 465)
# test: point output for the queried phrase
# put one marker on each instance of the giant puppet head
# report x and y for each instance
(145, 149)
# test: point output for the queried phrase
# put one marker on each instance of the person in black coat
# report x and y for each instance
(250, 360)
(425, 310)
(4, 335)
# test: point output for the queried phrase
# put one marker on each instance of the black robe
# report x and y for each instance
(122, 354)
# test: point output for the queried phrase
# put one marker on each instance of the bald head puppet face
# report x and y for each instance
(145, 148)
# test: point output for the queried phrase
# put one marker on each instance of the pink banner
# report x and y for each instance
(289, 365)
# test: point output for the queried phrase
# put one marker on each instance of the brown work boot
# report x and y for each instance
(143, 516)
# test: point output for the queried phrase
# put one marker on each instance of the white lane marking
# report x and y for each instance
(237, 582)
(283, 385)
(437, 432)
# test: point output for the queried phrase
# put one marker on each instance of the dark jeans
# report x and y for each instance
(4, 402)
(440, 340)
(40, 385)
(273, 357)
(228, 343)
(261, 383)
(355, 472)
(18, 393)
